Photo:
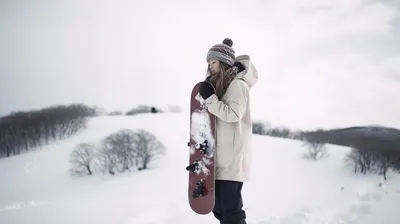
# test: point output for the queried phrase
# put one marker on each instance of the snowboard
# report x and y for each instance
(201, 155)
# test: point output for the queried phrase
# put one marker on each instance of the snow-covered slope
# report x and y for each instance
(36, 187)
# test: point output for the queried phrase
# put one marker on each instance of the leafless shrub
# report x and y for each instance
(122, 145)
(148, 148)
(106, 158)
(125, 149)
(262, 128)
(315, 150)
(81, 159)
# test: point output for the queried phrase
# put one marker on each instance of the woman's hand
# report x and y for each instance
(206, 90)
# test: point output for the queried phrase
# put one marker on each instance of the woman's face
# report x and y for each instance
(214, 66)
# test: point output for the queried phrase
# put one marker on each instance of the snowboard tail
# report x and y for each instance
(201, 155)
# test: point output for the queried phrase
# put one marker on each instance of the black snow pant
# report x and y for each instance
(228, 202)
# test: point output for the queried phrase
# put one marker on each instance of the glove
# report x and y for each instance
(206, 90)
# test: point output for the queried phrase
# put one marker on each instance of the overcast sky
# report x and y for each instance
(321, 63)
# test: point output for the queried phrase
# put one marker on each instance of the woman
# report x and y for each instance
(230, 103)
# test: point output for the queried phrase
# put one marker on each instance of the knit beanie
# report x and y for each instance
(222, 52)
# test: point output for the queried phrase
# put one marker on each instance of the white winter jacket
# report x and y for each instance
(234, 125)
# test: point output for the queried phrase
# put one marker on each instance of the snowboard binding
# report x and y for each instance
(193, 167)
(199, 190)
(202, 147)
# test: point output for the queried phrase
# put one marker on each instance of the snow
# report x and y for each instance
(285, 188)
(200, 128)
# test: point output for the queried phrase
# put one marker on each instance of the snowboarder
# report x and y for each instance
(233, 78)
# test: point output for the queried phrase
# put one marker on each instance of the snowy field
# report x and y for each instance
(285, 188)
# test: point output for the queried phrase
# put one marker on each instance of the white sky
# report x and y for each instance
(321, 63)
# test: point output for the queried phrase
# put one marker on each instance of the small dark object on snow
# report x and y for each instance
(154, 110)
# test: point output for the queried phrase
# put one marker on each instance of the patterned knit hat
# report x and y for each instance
(222, 52)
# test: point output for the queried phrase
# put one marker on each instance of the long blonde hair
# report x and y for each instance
(223, 79)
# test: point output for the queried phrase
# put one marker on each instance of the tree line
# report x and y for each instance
(373, 149)
(22, 131)
(378, 157)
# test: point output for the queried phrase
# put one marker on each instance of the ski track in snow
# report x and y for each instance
(175, 212)
(366, 198)
(22, 205)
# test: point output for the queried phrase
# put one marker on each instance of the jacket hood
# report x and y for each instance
(250, 74)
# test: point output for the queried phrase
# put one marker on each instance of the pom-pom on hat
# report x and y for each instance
(222, 52)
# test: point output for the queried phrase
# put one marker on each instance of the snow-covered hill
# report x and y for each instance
(285, 188)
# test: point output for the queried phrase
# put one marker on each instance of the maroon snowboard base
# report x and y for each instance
(201, 155)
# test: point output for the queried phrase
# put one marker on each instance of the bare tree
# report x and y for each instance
(354, 159)
(148, 148)
(122, 144)
(81, 159)
(262, 128)
(258, 128)
(295, 134)
(361, 159)
(106, 158)
(383, 164)
(117, 152)
(316, 150)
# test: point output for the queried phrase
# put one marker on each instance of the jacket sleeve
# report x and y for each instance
(235, 106)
